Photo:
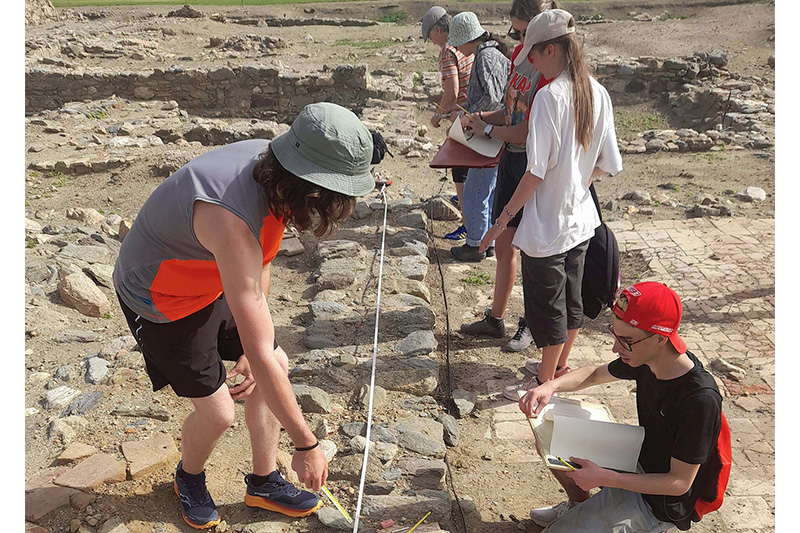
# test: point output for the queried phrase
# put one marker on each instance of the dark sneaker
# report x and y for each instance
(454, 200)
(468, 254)
(198, 508)
(278, 495)
(458, 235)
(488, 326)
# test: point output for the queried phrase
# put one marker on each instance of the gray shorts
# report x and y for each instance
(610, 511)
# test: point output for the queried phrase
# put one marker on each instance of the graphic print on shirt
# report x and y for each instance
(518, 107)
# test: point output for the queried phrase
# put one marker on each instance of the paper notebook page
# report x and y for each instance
(573, 408)
(608, 444)
(479, 143)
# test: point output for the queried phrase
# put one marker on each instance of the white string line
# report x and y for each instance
(374, 359)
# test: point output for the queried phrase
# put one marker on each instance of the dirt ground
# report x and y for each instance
(503, 491)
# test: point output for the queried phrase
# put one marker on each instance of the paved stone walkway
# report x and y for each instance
(724, 272)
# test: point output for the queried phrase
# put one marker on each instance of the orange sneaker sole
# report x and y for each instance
(186, 518)
(257, 501)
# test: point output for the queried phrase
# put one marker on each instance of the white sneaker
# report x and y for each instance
(545, 515)
(521, 339)
(532, 366)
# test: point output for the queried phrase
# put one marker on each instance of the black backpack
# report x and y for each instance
(601, 268)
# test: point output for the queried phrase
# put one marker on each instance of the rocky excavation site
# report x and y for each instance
(118, 98)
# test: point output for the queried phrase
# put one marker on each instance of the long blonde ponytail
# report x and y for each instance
(582, 97)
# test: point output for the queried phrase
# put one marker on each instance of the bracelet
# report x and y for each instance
(307, 448)
(480, 116)
(497, 223)
(505, 210)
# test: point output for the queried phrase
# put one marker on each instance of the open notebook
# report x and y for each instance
(477, 141)
(572, 428)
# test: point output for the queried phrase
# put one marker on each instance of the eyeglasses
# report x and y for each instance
(516, 34)
(627, 345)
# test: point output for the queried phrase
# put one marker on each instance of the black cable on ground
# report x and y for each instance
(449, 400)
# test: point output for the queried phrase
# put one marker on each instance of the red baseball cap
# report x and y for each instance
(654, 307)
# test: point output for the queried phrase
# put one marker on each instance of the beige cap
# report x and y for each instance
(544, 27)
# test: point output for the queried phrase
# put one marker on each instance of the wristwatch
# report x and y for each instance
(487, 131)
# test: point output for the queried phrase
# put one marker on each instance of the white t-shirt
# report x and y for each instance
(561, 214)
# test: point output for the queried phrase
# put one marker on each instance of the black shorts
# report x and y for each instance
(552, 288)
(459, 174)
(509, 172)
(187, 354)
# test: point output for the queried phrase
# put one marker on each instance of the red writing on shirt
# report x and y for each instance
(521, 83)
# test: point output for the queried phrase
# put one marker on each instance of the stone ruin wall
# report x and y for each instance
(39, 12)
(250, 91)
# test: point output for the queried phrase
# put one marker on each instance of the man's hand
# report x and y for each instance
(435, 120)
(247, 385)
(539, 397)
(311, 468)
(589, 475)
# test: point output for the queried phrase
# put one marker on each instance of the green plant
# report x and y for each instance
(670, 16)
(97, 115)
(107, 315)
(30, 244)
(417, 80)
(393, 16)
(478, 278)
(27, 203)
(100, 210)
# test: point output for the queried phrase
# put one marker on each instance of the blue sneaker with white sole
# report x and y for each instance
(277, 494)
(197, 507)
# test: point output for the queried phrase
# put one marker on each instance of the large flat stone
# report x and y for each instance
(420, 342)
(348, 468)
(407, 507)
(146, 456)
(99, 469)
(416, 375)
(89, 254)
(75, 452)
(421, 435)
(42, 500)
(424, 473)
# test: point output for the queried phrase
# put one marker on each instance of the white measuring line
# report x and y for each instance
(374, 359)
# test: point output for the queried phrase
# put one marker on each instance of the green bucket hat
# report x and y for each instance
(330, 147)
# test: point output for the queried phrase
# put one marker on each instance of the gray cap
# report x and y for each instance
(464, 28)
(430, 19)
(330, 147)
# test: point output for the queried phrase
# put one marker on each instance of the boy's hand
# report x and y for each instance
(247, 385)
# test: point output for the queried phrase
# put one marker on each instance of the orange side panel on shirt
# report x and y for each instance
(271, 237)
(184, 286)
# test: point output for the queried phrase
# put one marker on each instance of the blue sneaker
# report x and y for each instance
(198, 508)
(458, 235)
(278, 495)
(454, 199)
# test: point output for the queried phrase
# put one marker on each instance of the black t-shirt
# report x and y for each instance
(681, 418)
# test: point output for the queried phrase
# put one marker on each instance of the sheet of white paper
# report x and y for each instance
(480, 143)
(573, 408)
(608, 444)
